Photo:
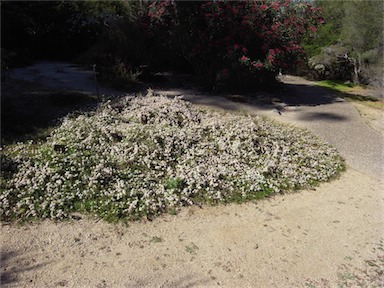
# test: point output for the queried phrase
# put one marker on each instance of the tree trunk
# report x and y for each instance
(356, 69)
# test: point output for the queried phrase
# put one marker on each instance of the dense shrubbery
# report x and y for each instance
(119, 53)
(242, 43)
(225, 43)
(332, 64)
(147, 155)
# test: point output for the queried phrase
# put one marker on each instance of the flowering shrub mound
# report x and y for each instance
(147, 155)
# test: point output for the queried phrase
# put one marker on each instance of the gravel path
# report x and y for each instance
(337, 122)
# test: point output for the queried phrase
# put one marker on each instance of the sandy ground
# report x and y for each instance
(313, 238)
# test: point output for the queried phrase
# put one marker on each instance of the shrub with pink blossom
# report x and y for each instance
(252, 40)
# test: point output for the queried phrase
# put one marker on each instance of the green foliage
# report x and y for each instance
(337, 85)
(362, 27)
(329, 33)
(174, 183)
(326, 36)
(356, 26)
(332, 63)
(345, 90)
(123, 50)
(363, 33)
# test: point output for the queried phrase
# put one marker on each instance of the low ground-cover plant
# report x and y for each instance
(341, 86)
(143, 156)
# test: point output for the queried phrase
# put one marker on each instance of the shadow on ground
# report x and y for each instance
(287, 96)
(288, 93)
(29, 110)
(303, 95)
(321, 116)
(13, 263)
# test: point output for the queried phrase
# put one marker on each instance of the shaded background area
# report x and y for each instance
(122, 39)
(54, 29)
(29, 110)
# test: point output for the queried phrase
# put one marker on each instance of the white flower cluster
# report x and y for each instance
(143, 156)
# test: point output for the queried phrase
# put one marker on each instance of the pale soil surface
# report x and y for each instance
(313, 238)
(372, 116)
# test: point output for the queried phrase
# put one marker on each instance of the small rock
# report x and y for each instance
(276, 111)
(59, 148)
(76, 217)
(62, 283)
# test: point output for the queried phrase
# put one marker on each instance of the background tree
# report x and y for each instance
(362, 32)
(329, 33)
(350, 44)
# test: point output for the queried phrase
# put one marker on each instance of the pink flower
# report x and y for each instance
(236, 46)
(263, 7)
(243, 58)
(275, 6)
(275, 27)
(244, 49)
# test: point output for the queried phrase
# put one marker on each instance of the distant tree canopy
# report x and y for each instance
(351, 36)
